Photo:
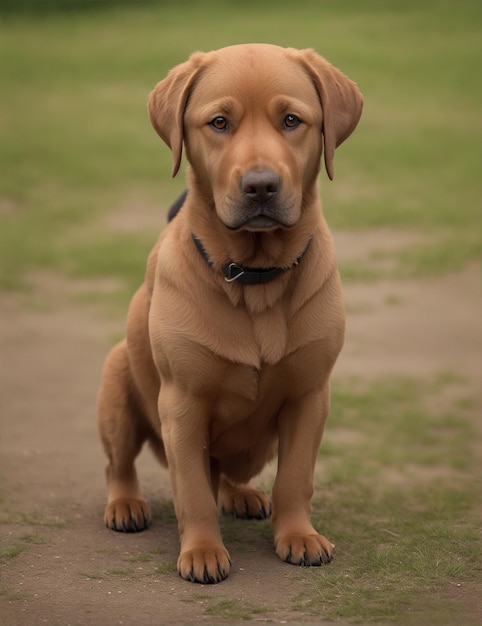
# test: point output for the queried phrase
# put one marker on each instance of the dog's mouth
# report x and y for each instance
(260, 222)
(256, 216)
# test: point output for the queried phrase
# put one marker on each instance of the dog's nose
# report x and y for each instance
(260, 186)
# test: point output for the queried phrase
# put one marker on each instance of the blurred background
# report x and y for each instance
(85, 180)
(84, 190)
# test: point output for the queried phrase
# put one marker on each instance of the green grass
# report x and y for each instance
(124, 570)
(16, 596)
(146, 557)
(398, 491)
(33, 538)
(451, 251)
(92, 575)
(231, 609)
(77, 144)
(11, 548)
(11, 551)
(169, 567)
(34, 519)
(398, 430)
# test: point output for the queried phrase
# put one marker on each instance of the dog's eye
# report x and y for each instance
(292, 121)
(219, 123)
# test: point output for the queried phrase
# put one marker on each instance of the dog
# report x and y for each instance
(232, 337)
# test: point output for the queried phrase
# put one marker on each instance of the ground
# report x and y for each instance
(63, 565)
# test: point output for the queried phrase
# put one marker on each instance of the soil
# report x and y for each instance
(69, 568)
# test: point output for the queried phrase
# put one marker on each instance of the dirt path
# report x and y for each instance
(51, 462)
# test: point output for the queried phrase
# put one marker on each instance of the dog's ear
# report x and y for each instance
(341, 102)
(167, 103)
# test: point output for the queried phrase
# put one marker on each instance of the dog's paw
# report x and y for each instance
(206, 565)
(128, 516)
(246, 503)
(305, 550)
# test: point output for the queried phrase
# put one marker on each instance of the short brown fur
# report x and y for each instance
(220, 377)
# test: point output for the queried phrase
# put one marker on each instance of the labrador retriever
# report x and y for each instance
(232, 337)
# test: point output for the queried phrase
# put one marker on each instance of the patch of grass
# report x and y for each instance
(465, 404)
(33, 538)
(357, 598)
(164, 510)
(123, 572)
(12, 551)
(392, 300)
(200, 596)
(360, 271)
(146, 557)
(398, 492)
(241, 532)
(166, 568)
(93, 575)
(118, 572)
(396, 429)
(13, 595)
(451, 252)
(229, 608)
(40, 518)
(14, 546)
(34, 518)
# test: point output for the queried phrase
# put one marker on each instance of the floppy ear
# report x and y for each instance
(167, 103)
(341, 102)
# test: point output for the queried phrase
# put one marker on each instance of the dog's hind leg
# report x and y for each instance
(243, 501)
(123, 432)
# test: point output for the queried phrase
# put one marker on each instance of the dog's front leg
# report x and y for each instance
(301, 424)
(203, 557)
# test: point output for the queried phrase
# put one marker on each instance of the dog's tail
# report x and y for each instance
(176, 207)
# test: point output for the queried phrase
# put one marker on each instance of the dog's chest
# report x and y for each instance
(246, 405)
(243, 391)
(270, 332)
(254, 396)
(250, 338)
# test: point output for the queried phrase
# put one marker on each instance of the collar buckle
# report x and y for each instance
(233, 272)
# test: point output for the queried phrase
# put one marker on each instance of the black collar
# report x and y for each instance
(248, 275)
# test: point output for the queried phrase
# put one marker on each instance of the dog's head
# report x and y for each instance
(255, 120)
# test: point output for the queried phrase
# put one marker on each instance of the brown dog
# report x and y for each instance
(232, 337)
